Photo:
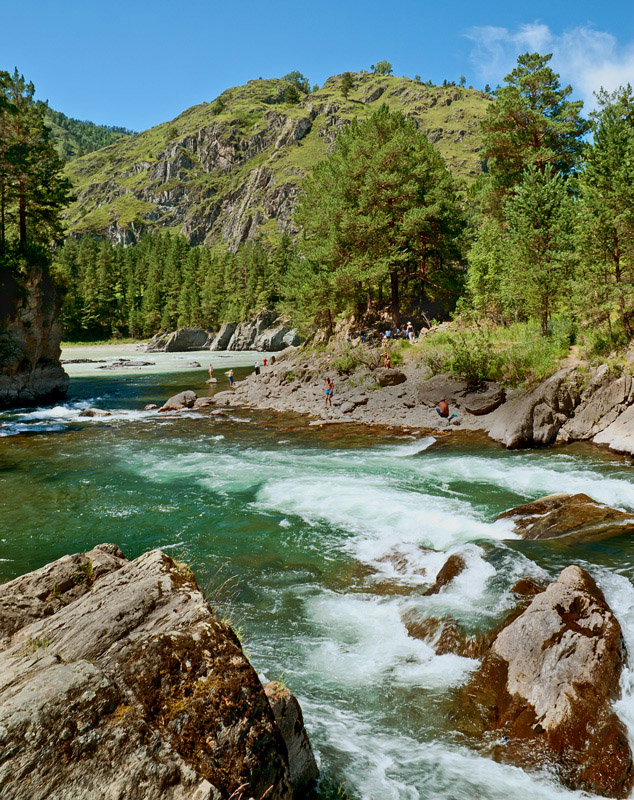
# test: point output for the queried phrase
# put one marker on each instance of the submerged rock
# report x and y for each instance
(575, 517)
(179, 401)
(127, 685)
(543, 696)
(95, 412)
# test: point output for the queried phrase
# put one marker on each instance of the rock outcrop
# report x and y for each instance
(118, 681)
(477, 400)
(30, 334)
(265, 333)
(543, 696)
(573, 517)
(180, 341)
(535, 417)
(227, 171)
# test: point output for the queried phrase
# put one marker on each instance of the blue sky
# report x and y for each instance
(139, 63)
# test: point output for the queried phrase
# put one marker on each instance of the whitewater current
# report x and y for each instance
(316, 544)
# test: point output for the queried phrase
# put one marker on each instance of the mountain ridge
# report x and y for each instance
(228, 171)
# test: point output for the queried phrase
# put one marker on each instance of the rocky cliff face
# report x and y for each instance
(118, 681)
(231, 171)
(30, 334)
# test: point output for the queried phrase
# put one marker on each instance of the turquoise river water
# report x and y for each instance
(314, 543)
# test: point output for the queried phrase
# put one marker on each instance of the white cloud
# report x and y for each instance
(586, 58)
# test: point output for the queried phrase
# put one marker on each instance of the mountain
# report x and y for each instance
(227, 171)
(74, 137)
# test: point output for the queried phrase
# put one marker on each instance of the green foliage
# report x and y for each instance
(33, 191)
(163, 282)
(531, 123)
(290, 94)
(347, 83)
(380, 206)
(74, 138)
(382, 68)
(300, 81)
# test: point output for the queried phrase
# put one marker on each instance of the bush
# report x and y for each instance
(472, 358)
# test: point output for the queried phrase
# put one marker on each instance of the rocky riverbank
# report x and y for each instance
(123, 683)
(30, 335)
(571, 405)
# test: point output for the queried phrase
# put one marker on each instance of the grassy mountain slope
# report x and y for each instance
(74, 137)
(227, 171)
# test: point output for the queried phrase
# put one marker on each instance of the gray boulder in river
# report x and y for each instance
(118, 681)
(543, 695)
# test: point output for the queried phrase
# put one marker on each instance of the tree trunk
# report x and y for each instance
(619, 287)
(545, 315)
(2, 220)
(396, 305)
(22, 215)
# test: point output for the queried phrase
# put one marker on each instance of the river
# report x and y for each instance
(313, 543)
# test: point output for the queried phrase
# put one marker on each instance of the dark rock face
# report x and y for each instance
(180, 401)
(128, 686)
(575, 517)
(290, 721)
(30, 333)
(547, 684)
(389, 377)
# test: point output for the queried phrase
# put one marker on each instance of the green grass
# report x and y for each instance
(516, 355)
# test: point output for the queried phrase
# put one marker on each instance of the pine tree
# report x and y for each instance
(531, 123)
(380, 206)
(539, 227)
(347, 83)
(605, 230)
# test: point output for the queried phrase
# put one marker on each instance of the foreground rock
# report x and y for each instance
(543, 696)
(122, 683)
(575, 517)
(180, 401)
(30, 333)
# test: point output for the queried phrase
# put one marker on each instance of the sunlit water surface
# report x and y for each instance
(288, 528)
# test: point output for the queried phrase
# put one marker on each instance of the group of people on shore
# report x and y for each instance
(394, 334)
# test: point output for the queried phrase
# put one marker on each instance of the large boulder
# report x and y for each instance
(179, 401)
(131, 688)
(543, 696)
(181, 341)
(575, 517)
(389, 377)
(30, 335)
(535, 417)
(602, 401)
(478, 400)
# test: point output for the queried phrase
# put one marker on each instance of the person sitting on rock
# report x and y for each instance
(443, 410)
